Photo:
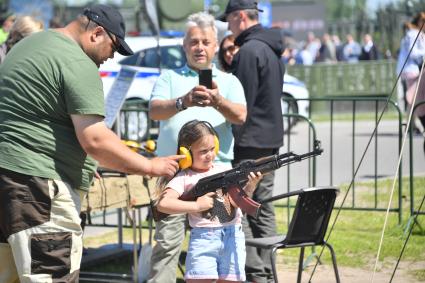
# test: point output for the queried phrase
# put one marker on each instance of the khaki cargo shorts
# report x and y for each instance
(40, 231)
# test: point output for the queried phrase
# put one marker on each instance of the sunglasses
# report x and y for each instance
(114, 42)
(230, 48)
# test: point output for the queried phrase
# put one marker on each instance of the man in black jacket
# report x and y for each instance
(260, 70)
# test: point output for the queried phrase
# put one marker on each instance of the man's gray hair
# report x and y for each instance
(202, 20)
(252, 14)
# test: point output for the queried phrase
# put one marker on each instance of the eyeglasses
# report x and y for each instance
(230, 48)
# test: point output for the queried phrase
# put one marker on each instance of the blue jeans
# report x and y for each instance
(216, 253)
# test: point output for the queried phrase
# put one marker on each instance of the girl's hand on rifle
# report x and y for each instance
(205, 202)
(253, 180)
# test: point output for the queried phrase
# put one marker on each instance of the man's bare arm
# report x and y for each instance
(235, 113)
(104, 145)
(199, 96)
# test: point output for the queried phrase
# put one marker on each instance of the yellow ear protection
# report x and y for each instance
(149, 145)
(187, 161)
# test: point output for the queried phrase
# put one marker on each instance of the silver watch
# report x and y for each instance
(179, 104)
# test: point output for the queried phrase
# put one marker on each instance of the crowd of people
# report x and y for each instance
(52, 108)
(329, 49)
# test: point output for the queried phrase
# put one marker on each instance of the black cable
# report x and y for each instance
(364, 152)
(407, 239)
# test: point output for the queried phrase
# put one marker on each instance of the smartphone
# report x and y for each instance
(205, 78)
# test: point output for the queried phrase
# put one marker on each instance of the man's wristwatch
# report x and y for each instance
(179, 104)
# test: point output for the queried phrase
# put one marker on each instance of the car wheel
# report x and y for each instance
(134, 120)
(289, 106)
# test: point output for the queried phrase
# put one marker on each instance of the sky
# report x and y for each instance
(374, 4)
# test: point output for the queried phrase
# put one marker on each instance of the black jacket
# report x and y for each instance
(372, 54)
(260, 70)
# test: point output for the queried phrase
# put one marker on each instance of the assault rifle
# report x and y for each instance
(232, 181)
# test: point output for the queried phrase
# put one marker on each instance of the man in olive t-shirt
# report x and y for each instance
(51, 133)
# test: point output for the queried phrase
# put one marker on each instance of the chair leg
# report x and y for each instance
(273, 262)
(334, 262)
(300, 265)
(311, 257)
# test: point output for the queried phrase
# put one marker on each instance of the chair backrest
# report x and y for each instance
(311, 216)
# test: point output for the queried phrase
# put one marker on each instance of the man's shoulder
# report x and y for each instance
(253, 46)
(179, 73)
(221, 75)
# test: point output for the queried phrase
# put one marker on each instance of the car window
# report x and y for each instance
(172, 57)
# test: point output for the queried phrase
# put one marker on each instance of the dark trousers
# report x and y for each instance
(258, 266)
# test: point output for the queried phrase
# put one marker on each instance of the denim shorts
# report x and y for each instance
(216, 253)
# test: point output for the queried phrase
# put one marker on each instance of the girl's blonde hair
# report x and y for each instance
(190, 132)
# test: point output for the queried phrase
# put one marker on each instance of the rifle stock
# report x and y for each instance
(232, 180)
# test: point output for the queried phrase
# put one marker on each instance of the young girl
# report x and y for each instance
(217, 242)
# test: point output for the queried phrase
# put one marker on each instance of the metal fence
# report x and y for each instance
(413, 210)
(353, 133)
(354, 139)
(363, 78)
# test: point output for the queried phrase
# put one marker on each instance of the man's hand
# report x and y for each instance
(206, 201)
(198, 96)
(165, 166)
(215, 97)
(202, 97)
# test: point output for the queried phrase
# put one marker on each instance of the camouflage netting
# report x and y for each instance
(118, 192)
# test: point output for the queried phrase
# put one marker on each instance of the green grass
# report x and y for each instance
(344, 117)
(356, 234)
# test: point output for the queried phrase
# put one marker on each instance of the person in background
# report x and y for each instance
(259, 67)
(419, 21)
(369, 49)
(420, 110)
(227, 50)
(289, 55)
(22, 27)
(303, 56)
(217, 243)
(351, 50)
(313, 45)
(52, 136)
(178, 98)
(338, 47)
(6, 22)
(411, 70)
(55, 22)
(327, 52)
(400, 70)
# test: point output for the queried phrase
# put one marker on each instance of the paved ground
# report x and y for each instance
(325, 274)
(343, 148)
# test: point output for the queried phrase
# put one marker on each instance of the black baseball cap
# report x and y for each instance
(236, 5)
(111, 20)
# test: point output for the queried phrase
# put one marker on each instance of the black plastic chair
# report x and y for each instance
(307, 228)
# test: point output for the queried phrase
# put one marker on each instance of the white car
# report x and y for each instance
(135, 124)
